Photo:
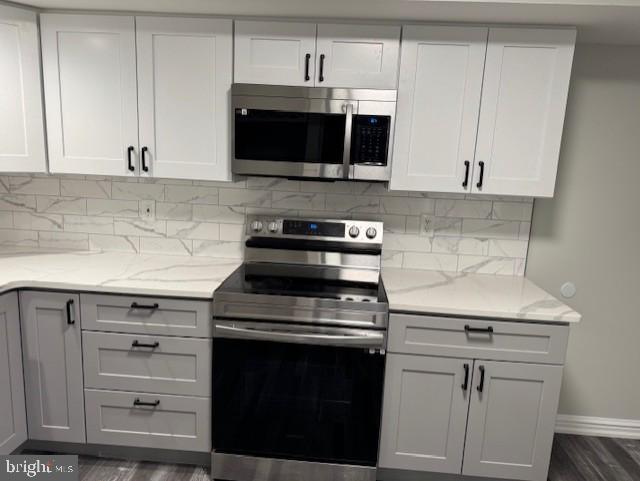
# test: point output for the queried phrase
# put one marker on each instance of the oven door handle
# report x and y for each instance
(373, 339)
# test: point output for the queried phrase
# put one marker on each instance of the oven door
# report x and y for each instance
(287, 394)
(292, 137)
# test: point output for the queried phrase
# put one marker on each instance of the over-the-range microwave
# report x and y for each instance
(314, 132)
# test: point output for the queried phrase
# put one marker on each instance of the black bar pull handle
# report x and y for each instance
(307, 58)
(481, 383)
(466, 173)
(465, 384)
(129, 159)
(137, 343)
(151, 307)
(321, 76)
(143, 158)
(484, 330)
(481, 179)
(71, 315)
(137, 402)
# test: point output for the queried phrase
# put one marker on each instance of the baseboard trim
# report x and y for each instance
(592, 426)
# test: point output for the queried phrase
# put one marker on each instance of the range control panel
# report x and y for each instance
(323, 229)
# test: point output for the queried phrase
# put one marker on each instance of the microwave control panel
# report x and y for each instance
(370, 139)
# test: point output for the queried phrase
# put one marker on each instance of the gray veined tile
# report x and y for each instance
(508, 248)
(406, 242)
(131, 191)
(174, 211)
(17, 202)
(463, 208)
(112, 208)
(460, 245)
(219, 213)
(18, 238)
(273, 183)
(37, 221)
(232, 232)
(297, 200)
(431, 225)
(391, 258)
(224, 249)
(353, 204)
(487, 265)
(88, 224)
(493, 229)
(34, 185)
(512, 211)
(63, 240)
(154, 245)
(61, 205)
(140, 227)
(525, 231)
(245, 197)
(191, 194)
(193, 230)
(407, 205)
(6, 220)
(106, 242)
(95, 189)
(430, 261)
(4, 184)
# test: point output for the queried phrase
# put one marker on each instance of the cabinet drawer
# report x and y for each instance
(176, 422)
(146, 315)
(128, 362)
(507, 341)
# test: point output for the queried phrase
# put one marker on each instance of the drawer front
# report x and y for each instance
(129, 362)
(177, 422)
(146, 315)
(508, 341)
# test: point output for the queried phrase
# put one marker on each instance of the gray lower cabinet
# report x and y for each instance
(13, 420)
(512, 420)
(425, 409)
(52, 355)
(148, 420)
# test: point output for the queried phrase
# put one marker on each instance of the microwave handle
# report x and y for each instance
(346, 155)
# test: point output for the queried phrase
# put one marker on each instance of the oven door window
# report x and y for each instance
(301, 402)
(272, 135)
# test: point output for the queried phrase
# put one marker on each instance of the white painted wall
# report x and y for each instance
(589, 233)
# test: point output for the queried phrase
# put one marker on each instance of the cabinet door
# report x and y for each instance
(184, 79)
(524, 95)
(357, 56)
(425, 413)
(53, 366)
(275, 53)
(21, 122)
(511, 420)
(90, 92)
(13, 420)
(438, 104)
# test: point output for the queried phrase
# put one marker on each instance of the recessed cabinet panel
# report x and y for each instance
(524, 96)
(511, 420)
(438, 105)
(275, 53)
(357, 56)
(53, 366)
(90, 92)
(21, 120)
(425, 413)
(184, 78)
(13, 420)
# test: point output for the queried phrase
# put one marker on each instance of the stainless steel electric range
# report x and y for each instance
(298, 354)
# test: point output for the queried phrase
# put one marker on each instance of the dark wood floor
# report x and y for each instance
(574, 458)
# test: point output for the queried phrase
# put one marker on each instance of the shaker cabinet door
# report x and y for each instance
(524, 95)
(425, 413)
(90, 93)
(184, 81)
(21, 121)
(275, 53)
(511, 420)
(52, 358)
(13, 420)
(357, 56)
(438, 105)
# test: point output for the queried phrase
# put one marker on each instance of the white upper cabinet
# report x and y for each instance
(524, 96)
(325, 55)
(184, 79)
(275, 53)
(357, 56)
(481, 110)
(438, 105)
(90, 93)
(21, 121)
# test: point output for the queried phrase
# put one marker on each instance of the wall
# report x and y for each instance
(589, 233)
(205, 218)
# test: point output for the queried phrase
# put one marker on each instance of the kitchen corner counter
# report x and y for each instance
(114, 272)
(476, 295)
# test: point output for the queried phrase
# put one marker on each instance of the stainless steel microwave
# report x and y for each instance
(314, 132)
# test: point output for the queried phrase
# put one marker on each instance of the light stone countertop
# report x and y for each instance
(408, 290)
(114, 272)
(476, 295)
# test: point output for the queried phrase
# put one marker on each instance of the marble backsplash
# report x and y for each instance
(162, 216)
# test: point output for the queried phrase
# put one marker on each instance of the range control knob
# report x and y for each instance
(354, 231)
(273, 227)
(256, 226)
(371, 232)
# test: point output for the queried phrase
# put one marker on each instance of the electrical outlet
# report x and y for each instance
(147, 209)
